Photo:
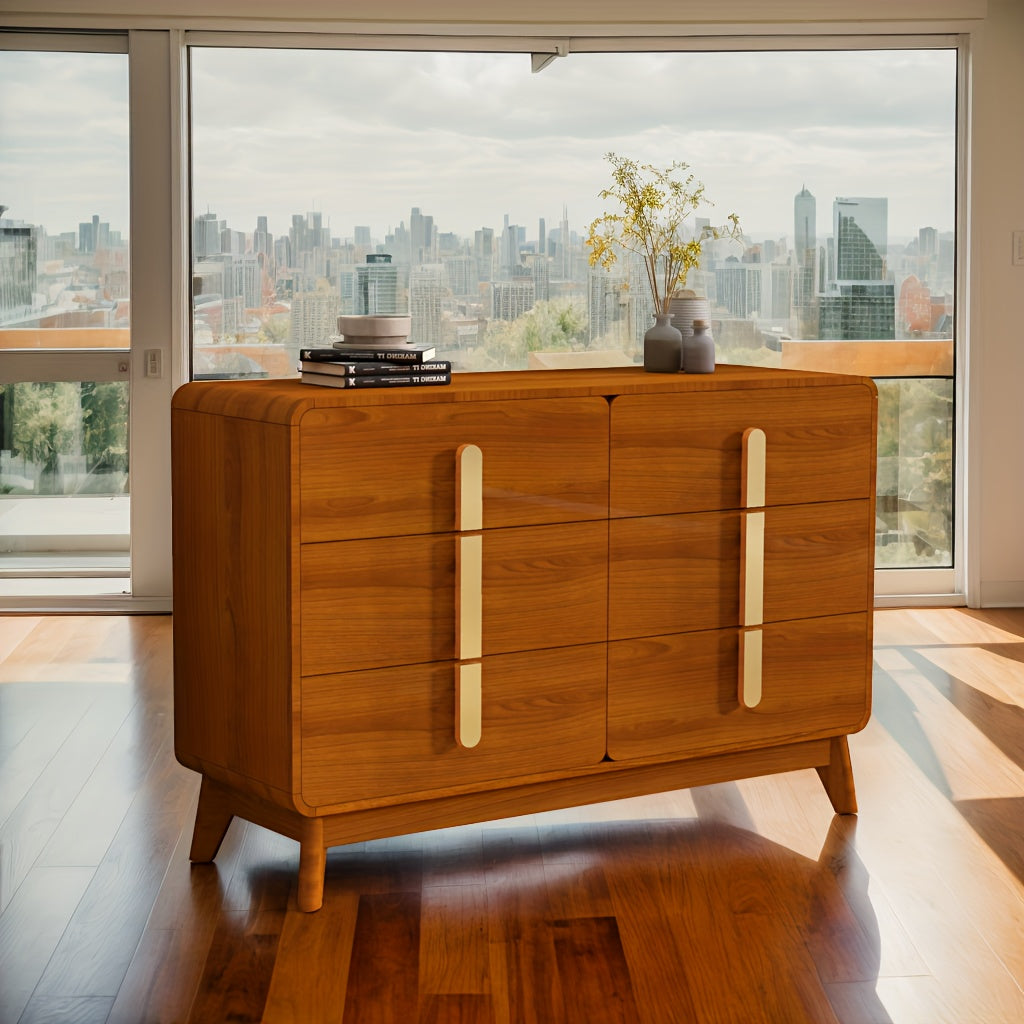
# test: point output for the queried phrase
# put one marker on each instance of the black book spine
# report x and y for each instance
(319, 355)
(355, 369)
(379, 381)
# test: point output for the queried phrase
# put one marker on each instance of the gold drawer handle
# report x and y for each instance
(469, 488)
(469, 562)
(755, 461)
(469, 565)
(468, 704)
(751, 654)
(752, 569)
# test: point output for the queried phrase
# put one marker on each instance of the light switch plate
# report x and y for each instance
(1018, 248)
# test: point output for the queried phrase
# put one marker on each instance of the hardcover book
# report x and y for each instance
(357, 369)
(340, 352)
(409, 379)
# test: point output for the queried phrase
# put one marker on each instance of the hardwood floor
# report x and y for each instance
(744, 902)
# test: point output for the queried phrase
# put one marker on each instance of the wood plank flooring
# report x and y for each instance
(734, 904)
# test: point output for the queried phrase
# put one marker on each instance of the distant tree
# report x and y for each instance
(46, 423)
(104, 420)
(275, 330)
(547, 327)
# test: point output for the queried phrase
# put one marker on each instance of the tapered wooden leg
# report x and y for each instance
(837, 777)
(312, 863)
(213, 816)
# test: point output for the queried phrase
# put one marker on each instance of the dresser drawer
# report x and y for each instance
(391, 601)
(381, 471)
(678, 573)
(685, 455)
(391, 731)
(677, 695)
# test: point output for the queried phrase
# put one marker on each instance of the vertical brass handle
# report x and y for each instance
(751, 654)
(469, 488)
(752, 569)
(468, 704)
(753, 472)
(469, 543)
(753, 468)
(469, 566)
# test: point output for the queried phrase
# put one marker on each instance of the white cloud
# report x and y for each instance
(364, 137)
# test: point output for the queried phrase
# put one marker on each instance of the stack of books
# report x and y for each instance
(372, 366)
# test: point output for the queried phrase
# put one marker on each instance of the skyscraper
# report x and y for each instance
(428, 289)
(805, 253)
(804, 217)
(860, 228)
(859, 302)
(377, 285)
(17, 268)
(421, 237)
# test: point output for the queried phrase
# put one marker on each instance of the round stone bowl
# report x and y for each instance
(375, 329)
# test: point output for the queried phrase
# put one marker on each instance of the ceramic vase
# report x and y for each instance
(663, 345)
(699, 349)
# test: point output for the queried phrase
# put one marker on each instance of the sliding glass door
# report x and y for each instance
(65, 320)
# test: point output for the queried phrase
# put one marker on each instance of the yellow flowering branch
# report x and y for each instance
(655, 204)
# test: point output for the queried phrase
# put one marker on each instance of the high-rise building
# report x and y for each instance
(859, 301)
(206, 233)
(483, 250)
(18, 268)
(858, 311)
(463, 275)
(263, 240)
(805, 260)
(377, 285)
(608, 307)
(860, 228)
(314, 317)
(511, 299)
(428, 289)
(804, 224)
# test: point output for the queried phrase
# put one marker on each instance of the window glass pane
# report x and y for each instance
(459, 188)
(64, 303)
(64, 189)
(64, 478)
(64, 437)
(915, 473)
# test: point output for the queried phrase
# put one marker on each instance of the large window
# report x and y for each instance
(458, 186)
(64, 311)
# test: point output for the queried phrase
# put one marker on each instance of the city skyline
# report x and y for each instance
(363, 137)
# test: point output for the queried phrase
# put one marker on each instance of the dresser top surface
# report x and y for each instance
(285, 401)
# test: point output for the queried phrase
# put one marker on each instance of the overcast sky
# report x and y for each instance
(469, 138)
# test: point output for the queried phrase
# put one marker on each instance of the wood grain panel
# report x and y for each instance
(677, 694)
(679, 573)
(238, 967)
(595, 975)
(671, 456)
(369, 473)
(371, 734)
(392, 601)
(233, 497)
(382, 985)
(31, 926)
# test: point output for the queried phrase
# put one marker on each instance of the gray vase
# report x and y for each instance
(663, 346)
(699, 349)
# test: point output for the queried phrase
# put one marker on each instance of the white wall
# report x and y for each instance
(995, 294)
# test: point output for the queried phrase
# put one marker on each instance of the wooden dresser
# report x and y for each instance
(404, 609)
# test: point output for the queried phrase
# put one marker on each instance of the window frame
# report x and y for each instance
(893, 586)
